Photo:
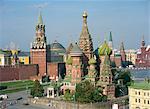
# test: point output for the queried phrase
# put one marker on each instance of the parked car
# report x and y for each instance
(3, 96)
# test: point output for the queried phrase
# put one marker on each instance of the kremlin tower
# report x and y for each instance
(38, 47)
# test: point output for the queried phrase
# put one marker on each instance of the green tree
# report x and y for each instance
(87, 92)
(68, 96)
(97, 95)
(37, 89)
(126, 76)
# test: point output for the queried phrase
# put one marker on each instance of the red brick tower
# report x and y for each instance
(143, 47)
(122, 52)
(38, 48)
(77, 72)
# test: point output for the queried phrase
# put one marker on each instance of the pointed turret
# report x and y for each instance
(40, 20)
(110, 43)
(110, 37)
(106, 79)
(122, 46)
(123, 55)
(143, 42)
(40, 40)
(106, 70)
(85, 41)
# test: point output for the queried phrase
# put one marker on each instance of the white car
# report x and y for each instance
(4, 96)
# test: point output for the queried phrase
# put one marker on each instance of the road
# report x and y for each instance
(13, 103)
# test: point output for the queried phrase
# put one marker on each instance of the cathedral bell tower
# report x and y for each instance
(38, 47)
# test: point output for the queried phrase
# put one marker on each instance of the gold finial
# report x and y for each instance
(85, 14)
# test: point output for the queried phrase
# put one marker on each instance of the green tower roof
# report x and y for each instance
(92, 61)
(110, 37)
(106, 70)
(69, 60)
(106, 60)
(40, 20)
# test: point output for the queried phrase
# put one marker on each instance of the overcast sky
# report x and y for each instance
(128, 20)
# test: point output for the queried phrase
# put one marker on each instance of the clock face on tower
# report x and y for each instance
(38, 39)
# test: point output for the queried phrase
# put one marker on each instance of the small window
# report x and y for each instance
(148, 102)
(144, 101)
(144, 93)
(136, 100)
(135, 92)
(139, 93)
(148, 94)
(139, 100)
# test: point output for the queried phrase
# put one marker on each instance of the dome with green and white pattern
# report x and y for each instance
(104, 49)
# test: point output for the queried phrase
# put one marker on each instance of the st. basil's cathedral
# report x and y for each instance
(79, 62)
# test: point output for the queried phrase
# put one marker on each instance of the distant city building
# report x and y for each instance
(13, 57)
(143, 56)
(24, 57)
(131, 56)
(5, 58)
(139, 95)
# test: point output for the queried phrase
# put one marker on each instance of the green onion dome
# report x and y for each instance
(69, 61)
(104, 49)
(92, 61)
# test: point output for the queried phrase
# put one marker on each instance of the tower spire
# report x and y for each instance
(143, 41)
(85, 15)
(122, 46)
(110, 43)
(85, 41)
(40, 20)
(110, 36)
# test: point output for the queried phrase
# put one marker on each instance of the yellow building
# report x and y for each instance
(131, 55)
(4, 58)
(139, 95)
(24, 57)
(21, 56)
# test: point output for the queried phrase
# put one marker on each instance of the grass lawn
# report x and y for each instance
(16, 86)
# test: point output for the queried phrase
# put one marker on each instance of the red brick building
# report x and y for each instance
(143, 56)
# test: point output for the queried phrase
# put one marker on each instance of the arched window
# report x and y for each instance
(106, 79)
(101, 78)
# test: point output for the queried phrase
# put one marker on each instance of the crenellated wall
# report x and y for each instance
(18, 72)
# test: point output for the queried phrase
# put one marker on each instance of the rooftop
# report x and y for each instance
(55, 46)
(76, 50)
(141, 85)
